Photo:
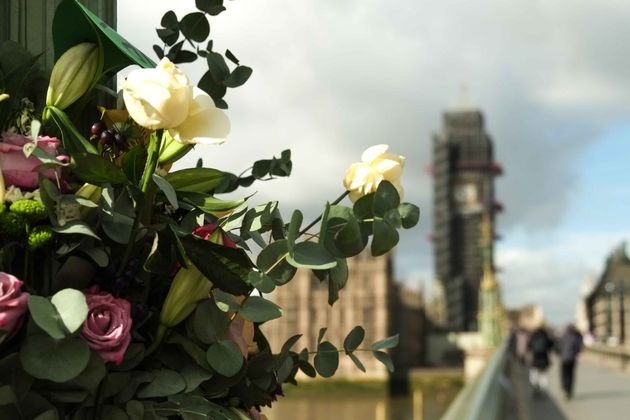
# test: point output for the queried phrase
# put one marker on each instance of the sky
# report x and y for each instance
(332, 77)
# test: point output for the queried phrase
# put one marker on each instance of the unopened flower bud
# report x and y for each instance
(73, 74)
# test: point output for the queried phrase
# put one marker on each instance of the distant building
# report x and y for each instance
(463, 170)
(607, 304)
(581, 307)
(370, 299)
(529, 316)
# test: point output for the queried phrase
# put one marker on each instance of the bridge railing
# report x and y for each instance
(487, 396)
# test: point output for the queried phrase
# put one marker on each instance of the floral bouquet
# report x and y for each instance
(129, 290)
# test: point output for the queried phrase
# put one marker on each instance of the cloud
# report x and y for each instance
(331, 78)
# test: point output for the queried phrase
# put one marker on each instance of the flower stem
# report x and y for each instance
(337, 201)
(153, 155)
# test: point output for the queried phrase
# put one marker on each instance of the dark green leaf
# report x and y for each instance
(225, 302)
(135, 410)
(231, 57)
(274, 255)
(311, 255)
(326, 359)
(169, 20)
(73, 141)
(321, 333)
(96, 170)
(386, 343)
(195, 26)
(168, 35)
(199, 180)
(212, 7)
(166, 382)
(261, 281)
(356, 361)
(209, 322)
(194, 375)
(385, 237)
(338, 276)
(54, 360)
(259, 309)
(409, 215)
(133, 163)
(167, 189)
(363, 207)
(294, 230)
(184, 56)
(208, 203)
(385, 359)
(385, 198)
(354, 339)
(226, 267)
(238, 77)
(217, 67)
(225, 358)
(213, 88)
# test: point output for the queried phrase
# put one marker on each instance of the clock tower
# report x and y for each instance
(464, 171)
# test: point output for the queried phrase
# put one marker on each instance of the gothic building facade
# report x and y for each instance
(464, 171)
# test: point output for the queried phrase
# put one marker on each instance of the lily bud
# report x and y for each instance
(188, 288)
(4, 96)
(73, 74)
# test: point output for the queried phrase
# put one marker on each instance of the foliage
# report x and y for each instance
(134, 291)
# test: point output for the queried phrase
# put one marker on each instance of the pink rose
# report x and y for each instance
(257, 415)
(206, 232)
(19, 170)
(13, 303)
(108, 325)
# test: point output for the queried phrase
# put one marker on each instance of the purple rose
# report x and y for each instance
(22, 171)
(13, 303)
(108, 325)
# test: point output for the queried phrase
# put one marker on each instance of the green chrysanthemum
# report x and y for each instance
(39, 237)
(12, 225)
(33, 211)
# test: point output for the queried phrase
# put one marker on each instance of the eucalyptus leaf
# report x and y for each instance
(225, 358)
(166, 382)
(259, 309)
(55, 360)
(311, 255)
(385, 237)
(353, 339)
(76, 227)
(45, 316)
(272, 261)
(209, 322)
(386, 343)
(409, 215)
(385, 359)
(261, 281)
(71, 307)
(326, 359)
(385, 198)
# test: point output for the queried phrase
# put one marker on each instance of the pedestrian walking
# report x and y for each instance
(568, 346)
(539, 345)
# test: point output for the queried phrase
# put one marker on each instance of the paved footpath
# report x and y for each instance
(600, 394)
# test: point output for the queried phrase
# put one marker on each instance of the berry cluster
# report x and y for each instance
(111, 138)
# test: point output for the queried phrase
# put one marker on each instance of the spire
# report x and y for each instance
(487, 281)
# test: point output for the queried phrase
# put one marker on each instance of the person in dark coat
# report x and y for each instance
(568, 346)
(539, 345)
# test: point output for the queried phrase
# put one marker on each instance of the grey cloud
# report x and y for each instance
(331, 78)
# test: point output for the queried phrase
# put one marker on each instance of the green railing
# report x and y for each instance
(485, 397)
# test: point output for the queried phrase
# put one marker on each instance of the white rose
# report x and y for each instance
(376, 165)
(164, 98)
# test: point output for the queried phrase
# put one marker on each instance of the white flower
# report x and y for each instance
(14, 194)
(164, 98)
(376, 165)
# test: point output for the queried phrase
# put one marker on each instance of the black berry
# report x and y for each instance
(97, 128)
(107, 137)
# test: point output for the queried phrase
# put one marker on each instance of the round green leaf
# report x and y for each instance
(385, 198)
(385, 237)
(55, 360)
(259, 309)
(385, 359)
(225, 358)
(209, 322)
(72, 308)
(195, 26)
(311, 255)
(45, 316)
(326, 359)
(261, 281)
(238, 77)
(386, 343)
(282, 272)
(409, 215)
(166, 382)
(354, 339)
